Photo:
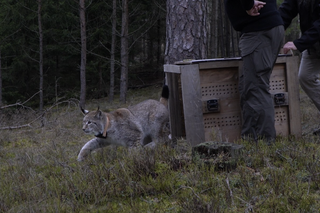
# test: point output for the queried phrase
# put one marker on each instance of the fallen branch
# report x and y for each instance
(15, 127)
(20, 104)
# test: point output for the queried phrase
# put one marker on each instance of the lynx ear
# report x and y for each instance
(98, 113)
(84, 111)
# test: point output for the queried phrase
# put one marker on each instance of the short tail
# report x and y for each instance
(165, 95)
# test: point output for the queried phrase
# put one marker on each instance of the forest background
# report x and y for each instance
(41, 43)
(45, 52)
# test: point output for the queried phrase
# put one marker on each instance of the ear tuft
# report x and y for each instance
(84, 111)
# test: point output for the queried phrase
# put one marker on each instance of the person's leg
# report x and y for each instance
(259, 52)
(309, 78)
(272, 41)
(257, 104)
(247, 88)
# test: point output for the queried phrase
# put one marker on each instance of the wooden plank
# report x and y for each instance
(191, 96)
(240, 72)
(231, 104)
(175, 111)
(282, 59)
(219, 75)
(219, 64)
(170, 68)
(215, 60)
(281, 118)
(218, 90)
(278, 81)
(223, 126)
(228, 62)
(292, 67)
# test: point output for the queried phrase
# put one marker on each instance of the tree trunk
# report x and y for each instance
(0, 79)
(124, 52)
(101, 89)
(223, 38)
(213, 29)
(83, 53)
(186, 36)
(113, 47)
(40, 56)
(221, 33)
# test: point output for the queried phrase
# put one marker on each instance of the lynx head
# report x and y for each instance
(94, 122)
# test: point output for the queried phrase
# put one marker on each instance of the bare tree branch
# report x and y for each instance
(20, 104)
(74, 101)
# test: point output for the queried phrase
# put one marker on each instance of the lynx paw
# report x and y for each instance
(83, 154)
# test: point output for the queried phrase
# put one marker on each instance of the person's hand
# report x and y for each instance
(289, 46)
(254, 11)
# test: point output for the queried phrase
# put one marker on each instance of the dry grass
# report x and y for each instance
(39, 171)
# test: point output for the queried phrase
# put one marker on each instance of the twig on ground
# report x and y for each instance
(230, 191)
(187, 187)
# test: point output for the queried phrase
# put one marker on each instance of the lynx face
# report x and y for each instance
(92, 124)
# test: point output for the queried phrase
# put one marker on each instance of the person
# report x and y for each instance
(307, 44)
(262, 32)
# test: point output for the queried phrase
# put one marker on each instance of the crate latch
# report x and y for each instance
(211, 106)
(280, 99)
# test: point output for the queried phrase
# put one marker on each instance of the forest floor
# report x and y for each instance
(39, 171)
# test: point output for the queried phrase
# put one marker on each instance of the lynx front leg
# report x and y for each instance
(91, 145)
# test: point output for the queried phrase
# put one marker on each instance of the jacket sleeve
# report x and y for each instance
(288, 11)
(247, 4)
(309, 37)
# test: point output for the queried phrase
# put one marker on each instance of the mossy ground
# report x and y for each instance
(39, 171)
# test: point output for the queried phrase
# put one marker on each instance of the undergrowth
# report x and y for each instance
(39, 171)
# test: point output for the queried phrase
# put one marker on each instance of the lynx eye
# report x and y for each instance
(89, 122)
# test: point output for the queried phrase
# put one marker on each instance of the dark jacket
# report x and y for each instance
(269, 16)
(309, 21)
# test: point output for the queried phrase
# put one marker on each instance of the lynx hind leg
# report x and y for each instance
(164, 133)
(91, 145)
(162, 136)
(151, 145)
(149, 141)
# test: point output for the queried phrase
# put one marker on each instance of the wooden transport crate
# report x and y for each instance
(204, 98)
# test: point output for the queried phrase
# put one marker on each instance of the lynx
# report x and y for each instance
(144, 124)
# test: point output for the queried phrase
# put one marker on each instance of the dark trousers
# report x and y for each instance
(259, 51)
